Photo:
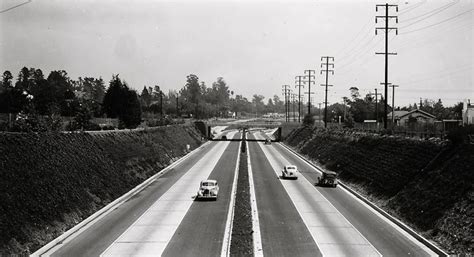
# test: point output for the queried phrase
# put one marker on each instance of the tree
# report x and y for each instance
(122, 103)
(354, 92)
(257, 101)
(114, 98)
(132, 114)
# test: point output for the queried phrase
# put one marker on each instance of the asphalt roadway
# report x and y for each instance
(296, 218)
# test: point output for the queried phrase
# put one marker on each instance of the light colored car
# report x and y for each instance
(289, 171)
(208, 189)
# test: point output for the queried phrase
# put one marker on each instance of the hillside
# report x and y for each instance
(427, 184)
(50, 182)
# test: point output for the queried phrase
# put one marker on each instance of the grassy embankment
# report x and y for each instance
(428, 185)
(51, 182)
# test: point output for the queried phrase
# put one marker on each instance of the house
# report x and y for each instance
(467, 113)
(402, 118)
(396, 116)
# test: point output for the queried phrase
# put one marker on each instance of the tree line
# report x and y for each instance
(39, 103)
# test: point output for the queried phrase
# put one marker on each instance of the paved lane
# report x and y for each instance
(202, 230)
(332, 232)
(150, 233)
(388, 239)
(96, 238)
(282, 230)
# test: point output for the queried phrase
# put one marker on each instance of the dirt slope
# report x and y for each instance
(50, 182)
(427, 184)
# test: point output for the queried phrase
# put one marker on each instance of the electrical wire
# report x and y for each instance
(428, 15)
(436, 24)
(409, 9)
(16, 6)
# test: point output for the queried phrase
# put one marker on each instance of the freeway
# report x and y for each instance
(295, 217)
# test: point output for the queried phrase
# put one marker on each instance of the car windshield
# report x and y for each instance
(207, 184)
(291, 168)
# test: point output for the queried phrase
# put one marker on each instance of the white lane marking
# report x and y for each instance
(327, 225)
(385, 219)
(257, 238)
(151, 232)
(75, 231)
(225, 251)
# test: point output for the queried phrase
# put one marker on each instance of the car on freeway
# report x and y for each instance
(328, 178)
(224, 137)
(268, 141)
(208, 189)
(290, 171)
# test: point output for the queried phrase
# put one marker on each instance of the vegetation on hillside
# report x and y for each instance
(50, 182)
(427, 184)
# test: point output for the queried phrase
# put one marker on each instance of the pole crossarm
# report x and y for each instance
(387, 18)
(309, 74)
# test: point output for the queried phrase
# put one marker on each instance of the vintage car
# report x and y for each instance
(208, 189)
(268, 141)
(328, 178)
(289, 171)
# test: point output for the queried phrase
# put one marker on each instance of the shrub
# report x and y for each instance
(308, 120)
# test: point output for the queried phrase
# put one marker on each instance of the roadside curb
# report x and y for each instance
(394, 220)
(89, 221)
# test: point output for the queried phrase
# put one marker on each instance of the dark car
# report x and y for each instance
(268, 141)
(328, 178)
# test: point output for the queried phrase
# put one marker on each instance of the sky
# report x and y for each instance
(256, 46)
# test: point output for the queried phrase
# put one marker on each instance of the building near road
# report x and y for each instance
(467, 113)
(403, 118)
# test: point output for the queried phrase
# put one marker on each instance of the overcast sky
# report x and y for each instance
(257, 46)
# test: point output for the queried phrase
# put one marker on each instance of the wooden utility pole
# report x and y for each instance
(285, 91)
(386, 53)
(393, 103)
(326, 70)
(299, 85)
(310, 76)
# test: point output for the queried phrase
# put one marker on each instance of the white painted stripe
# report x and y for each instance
(225, 251)
(257, 238)
(385, 219)
(151, 232)
(327, 238)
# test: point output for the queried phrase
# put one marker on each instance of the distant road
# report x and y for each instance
(296, 218)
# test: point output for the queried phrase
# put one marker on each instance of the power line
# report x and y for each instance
(441, 9)
(16, 6)
(438, 23)
(412, 8)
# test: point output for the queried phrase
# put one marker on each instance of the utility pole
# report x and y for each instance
(309, 76)
(376, 106)
(393, 103)
(320, 112)
(177, 105)
(299, 80)
(327, 70)
(386, 53)
(294, 100)
(285, 91)
(161, 100)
